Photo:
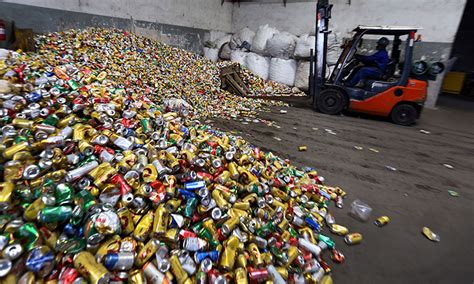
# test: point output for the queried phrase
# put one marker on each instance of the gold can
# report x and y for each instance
(22, 123)
(126, 220)
(12, 150)
(227, 260)
(220, 200)
(173, 204)
(353, 238)
(241, 276)
(32, 211)
(160, 224)
(241, 260)
(146, 252)
(283, 225)
(283, 272)
(93, 271)
(143, 228)
(229, 225)
(382, 221)
(6, 191)
(209, 224)
(338, 229)
(171, 237)
(112, 244)
(234, 173)
(302, 148)
(242, 205)
(292, 255)
(255, 254)
(180, 274)
(137, 276)
(86, 148)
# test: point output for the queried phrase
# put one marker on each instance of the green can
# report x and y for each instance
(55, 214)
(190, 207)
(64, 194)
(52, 120)
(146, 125)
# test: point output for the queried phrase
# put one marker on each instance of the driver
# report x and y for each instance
(374, 64)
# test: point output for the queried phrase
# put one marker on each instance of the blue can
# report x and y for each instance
(212, 255)
(119, 261)
(33, 97)
(313, 224)
(186, 193)
(195, 185)
(40, 261)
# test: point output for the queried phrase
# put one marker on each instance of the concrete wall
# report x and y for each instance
(181, 23)
(200, 14)
(439, 18)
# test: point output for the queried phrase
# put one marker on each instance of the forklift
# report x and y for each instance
(398, 94)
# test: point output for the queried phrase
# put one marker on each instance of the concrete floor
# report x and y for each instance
(414, 196)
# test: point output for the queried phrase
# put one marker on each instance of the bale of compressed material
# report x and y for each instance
(211, 54)
(302, 75)
(283, 71)
(263, 34)
(244, 35)
(334, 48)
(259, 65)
(304, 44)
(225, 51)
(281, 45)
(238, 56)
(222, 40)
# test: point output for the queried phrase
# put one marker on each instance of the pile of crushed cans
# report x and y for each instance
(105, 180)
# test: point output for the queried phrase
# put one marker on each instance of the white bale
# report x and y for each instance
(225, 51)
(281, 45)
(334, 48)
(304, 44)
(222, 40)
(211, 54)
(259, 65)
(244, 34)
(283, 71)
(302, 75)
(264, 33)
(238, 56)
(4, 53)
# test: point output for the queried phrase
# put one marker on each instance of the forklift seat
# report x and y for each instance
(390, 69)
(378, 86)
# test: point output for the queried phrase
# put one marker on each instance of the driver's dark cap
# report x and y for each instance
(383, 41)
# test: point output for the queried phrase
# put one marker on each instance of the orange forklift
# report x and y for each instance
(398, 94)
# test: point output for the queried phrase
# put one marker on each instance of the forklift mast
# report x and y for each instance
(318, 60)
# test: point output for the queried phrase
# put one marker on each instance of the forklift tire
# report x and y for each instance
(331, 101)
(404, 114)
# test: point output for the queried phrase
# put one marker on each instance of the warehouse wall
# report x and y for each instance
(439, 18)
(180, 23)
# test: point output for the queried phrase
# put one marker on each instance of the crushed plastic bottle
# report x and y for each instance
(360, 210)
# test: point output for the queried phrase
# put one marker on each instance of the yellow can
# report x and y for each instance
(353, 238)
(93, 271)
(241, 276)
(382, 221)
(160, 224)
(177, 269)
(146, 252)
(338, 229)
(302, 148)
(143, 228)
(6, 191)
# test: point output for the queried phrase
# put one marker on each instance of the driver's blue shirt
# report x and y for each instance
(379, 59)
